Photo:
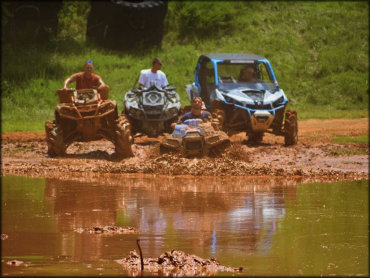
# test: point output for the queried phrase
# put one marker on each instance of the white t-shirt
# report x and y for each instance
(147, 78)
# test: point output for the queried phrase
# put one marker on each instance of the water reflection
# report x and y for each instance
(207, 214)
(240, 221)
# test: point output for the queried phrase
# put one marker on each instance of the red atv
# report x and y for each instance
(85, 115)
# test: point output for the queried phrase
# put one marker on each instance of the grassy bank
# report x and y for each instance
(319, 52)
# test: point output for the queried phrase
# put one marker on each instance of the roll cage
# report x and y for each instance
(206, 74)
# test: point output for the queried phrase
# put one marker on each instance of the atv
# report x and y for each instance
(151, 111)
(242, 92)
(82, 115)
(195, 138)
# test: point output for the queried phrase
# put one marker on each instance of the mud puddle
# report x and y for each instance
(247, 222)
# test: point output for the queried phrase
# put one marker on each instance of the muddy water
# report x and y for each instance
(267, 226)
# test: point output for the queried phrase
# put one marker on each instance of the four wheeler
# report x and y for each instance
(242, 92)
(82, 115)
(195, 138)
(151, 111)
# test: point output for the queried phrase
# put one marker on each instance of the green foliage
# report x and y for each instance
(72, 20)
(202, 19)
(6, 14)
(319, 52)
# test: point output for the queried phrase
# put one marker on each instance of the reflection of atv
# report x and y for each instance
(84, 116)
(195, 137)
(241, 105)
(153, 110)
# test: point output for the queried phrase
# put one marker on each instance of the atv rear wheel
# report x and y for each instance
(291, 128)
(123, 140)
(55, 139)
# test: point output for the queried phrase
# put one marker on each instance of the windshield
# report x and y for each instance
(251, 75)
(247, 86)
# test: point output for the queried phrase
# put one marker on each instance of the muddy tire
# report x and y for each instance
(218, 118)
(255, 137)
(164, 150)
(123, 140)
(55, 139)
(127, 24)
(291, 128)
(219, 150)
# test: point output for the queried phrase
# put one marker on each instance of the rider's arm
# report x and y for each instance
(142, 79)
(69, 80)
(101, 82)
(164, 81)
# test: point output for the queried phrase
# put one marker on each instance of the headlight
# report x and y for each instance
(278, 102)
(135, 112)
(68, 112)
(172, 111)
(230, 100)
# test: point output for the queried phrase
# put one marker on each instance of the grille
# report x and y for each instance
(153, 116)
(153, 107)
(87, 113)
(263, 106)
(193, 145)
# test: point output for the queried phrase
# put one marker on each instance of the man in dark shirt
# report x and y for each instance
(196, 111)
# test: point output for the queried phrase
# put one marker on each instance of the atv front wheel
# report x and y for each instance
(218, 118)
(123, 140)
(55, 139)
(219, 150)
(291, 128)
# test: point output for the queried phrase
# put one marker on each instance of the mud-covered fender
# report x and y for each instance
(216, 95)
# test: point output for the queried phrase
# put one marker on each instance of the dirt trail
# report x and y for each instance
(315, 157)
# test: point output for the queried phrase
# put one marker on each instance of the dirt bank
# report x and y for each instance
(315, 156)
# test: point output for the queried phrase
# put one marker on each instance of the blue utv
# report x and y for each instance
(242, 92)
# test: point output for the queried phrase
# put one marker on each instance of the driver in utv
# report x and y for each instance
(248, 75)
(88, 80)
(153, 76)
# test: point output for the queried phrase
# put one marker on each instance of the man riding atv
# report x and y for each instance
(153, 76)
(196, 111)
(86, 114)
(88, 80)
(196, 133)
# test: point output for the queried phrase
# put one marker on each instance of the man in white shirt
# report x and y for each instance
(153, 76)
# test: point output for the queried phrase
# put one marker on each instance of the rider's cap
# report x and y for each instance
(89, 62)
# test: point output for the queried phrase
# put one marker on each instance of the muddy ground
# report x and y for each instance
(315, 157)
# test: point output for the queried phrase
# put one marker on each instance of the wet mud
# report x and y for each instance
(108, 230)
(175, 263)
(315, 157)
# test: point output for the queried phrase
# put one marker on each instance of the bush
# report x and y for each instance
(72, 20)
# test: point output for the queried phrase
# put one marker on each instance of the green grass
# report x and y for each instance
(364, 139)
(319, 52)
